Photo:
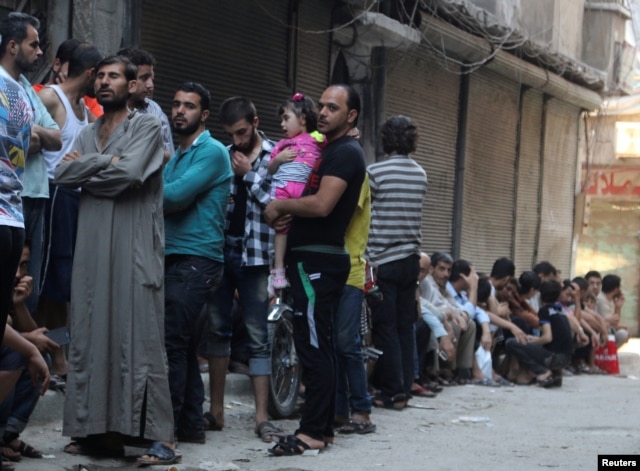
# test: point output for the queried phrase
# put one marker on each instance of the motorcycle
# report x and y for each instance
(284, 382)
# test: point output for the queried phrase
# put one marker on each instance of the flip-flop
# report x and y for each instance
(422, 392)
(354, 426)
(484, 382)
(24, 449)
(9, 454)
(289, 446)
(210, 422)
(80, 448)
(266, 431)
(162, 453)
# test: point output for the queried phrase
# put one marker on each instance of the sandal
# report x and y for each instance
(159, 453)
(289, 446)
(9, 454)
(23, 449)
(6, 465)
(547, 382)
(503, 382)
(84, 449)
(267, 431)
(210, 422)
(484, 382)
(418, 390)
(354, 426)
(397, 402)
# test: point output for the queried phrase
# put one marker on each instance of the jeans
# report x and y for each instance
(188, 281)
(251, 284)
(351, 377)
(393, 319)
(317, 283)
(34, 209)
(17, 408)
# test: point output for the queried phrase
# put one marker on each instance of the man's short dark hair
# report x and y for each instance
(592, 274)
(65, 49)
(459, 267)
(353, 99)
(137, 56)
(399, 135)
(550, 291)
(610, 283)
(193, 87)
(13, 27)
(502, 268)
(235, 109)
(581, 282)
(484, 289)
(130, 70)
(545, 268)
(440, 257)
(84, 56)
(528, 280)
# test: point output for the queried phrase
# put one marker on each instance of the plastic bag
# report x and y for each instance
(606, 357)
(483, 357)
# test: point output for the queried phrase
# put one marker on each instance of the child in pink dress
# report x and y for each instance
(291, 162)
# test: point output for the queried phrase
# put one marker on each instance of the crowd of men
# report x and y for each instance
(135, 243)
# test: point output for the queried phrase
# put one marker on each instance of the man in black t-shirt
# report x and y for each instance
(553, 349)
(317, 262)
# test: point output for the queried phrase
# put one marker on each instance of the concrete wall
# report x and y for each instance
(102, 22)
(556, 24)
(602, 29)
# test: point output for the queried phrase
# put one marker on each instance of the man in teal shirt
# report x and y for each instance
(197, 182)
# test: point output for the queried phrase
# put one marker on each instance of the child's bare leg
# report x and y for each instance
(280, 247)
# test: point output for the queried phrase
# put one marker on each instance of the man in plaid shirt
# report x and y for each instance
(247, 255)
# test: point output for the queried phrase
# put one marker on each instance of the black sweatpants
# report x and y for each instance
(317, 280)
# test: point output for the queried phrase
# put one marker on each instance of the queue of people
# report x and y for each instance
(134, 243)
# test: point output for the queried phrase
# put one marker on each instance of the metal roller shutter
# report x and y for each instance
(528, 181)
(489, 186)
(558, 190)
(313, 63)
(232, 47)
(419, 87)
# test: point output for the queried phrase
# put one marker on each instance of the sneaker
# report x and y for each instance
(279, 278)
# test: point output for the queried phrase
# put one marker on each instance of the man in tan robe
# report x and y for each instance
(117, 380)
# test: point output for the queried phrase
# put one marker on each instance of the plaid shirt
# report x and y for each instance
(257, 245)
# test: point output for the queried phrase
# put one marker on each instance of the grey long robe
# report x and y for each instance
(117, 353)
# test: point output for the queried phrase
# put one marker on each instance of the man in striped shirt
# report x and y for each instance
(398, 186)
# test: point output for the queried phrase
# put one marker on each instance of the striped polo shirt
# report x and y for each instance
(398, 186)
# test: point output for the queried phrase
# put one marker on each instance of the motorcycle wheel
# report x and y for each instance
(284, 382)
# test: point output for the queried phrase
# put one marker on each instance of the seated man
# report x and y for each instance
(434, 290)
(17, 408)
(432, 339)
(609, 305)
(551, 351)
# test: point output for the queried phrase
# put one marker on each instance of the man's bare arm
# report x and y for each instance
(318, 205)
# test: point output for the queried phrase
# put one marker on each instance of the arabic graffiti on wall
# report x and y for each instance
(613, 181)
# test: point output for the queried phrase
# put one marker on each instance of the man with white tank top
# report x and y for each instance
(66, 105)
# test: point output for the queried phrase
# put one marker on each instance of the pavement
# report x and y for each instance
(465, 427)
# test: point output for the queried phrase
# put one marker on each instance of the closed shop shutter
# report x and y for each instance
(528, 181)
(419, 87)
(236, 47)
(558, 184)
(489, 185)
(314, 48)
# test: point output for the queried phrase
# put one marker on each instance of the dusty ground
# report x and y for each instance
(464, 428)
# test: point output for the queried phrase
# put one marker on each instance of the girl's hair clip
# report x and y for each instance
(298, 97)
